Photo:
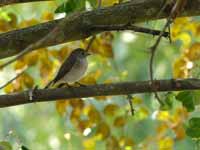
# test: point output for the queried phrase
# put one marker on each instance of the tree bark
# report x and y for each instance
(82, 25)
(44, 95)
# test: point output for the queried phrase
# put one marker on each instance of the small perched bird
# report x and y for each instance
(73, 68)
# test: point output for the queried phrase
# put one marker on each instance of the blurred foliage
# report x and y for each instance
(103, 122)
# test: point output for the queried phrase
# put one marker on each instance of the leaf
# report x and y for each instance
(71, 6)
(166, 143)
(103, 131)
(89, 144)
(120, 121)
(110, 109)
(168, 102)
(193, 52)
(61, 106)
(4, 145)
(193, 129)
(187, 100)
(24, 148)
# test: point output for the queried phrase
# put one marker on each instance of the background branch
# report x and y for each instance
(78, 26)
(122, 88)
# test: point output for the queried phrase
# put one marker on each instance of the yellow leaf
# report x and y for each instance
(27, 80)
(61, 106)
(109, 2)
(103, 131)
(94, 115)
(89, 144)
(47, 16)
(19, 65)
(166, 143)
(110, 109)
(31, 58)
(180, 132)
(193, 52)
(75, 114)
(185, 38)
(137, 100)
(77, 103)
(163, 116)
(83, 124)
(9, 88)
(125, 141)
(112, 143)
(180, 68)
(120, 121)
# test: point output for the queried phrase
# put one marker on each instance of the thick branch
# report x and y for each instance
(80, 26)
(8, 2)
(98, 90)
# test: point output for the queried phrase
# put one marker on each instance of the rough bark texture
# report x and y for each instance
(84, 24)
(97, 90)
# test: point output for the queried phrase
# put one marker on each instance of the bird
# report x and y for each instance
(73, 68)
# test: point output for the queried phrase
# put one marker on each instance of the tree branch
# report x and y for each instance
(9, 2)
(124, 88)
(79, 26)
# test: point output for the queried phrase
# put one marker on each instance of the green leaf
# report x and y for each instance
(24, 147)
(168, 102)
(4, 145)
(193, 129)
(187, 99)
(71, 6)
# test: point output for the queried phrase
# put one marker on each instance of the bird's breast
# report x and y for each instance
(77, 71)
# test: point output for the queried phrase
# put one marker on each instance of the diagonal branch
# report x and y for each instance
(122, 88)
(79, 26)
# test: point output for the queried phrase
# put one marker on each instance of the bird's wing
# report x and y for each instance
(65, 68)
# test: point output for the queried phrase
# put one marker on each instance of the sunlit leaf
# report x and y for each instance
(89, 143)
(166, 143)
(4, 145)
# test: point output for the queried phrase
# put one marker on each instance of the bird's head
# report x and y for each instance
(81, 53)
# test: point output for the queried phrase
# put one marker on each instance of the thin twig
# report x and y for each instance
(129, 98)
(172, 16)
(10, 81)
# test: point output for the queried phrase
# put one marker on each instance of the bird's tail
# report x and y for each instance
(49, 84)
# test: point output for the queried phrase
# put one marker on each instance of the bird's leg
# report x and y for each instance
(32, 93)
